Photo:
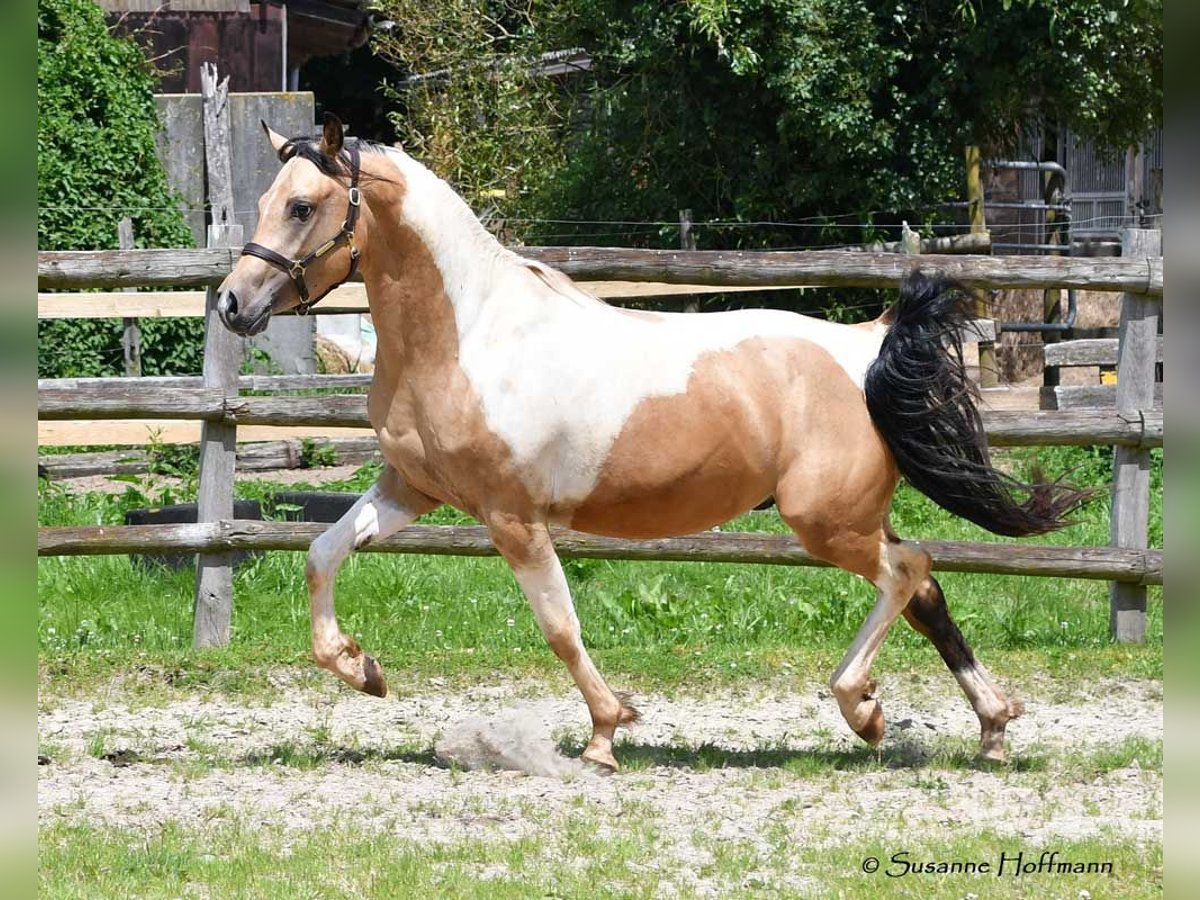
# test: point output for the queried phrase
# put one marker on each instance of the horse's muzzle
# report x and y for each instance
(233, 316)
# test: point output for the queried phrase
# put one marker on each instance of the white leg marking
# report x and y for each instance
(545, 586)
(851, 681)
(375, 514)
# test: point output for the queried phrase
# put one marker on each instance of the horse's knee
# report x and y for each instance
(323, 559)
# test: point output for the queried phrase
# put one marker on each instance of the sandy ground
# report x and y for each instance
(194, 759)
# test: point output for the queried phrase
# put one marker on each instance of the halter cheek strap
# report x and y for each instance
(296, 268)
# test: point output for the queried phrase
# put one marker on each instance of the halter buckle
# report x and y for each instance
(297, 269)
(355, 197)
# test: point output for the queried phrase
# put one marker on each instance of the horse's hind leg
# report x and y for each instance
(928, 614)
(530, 553)
(894, 568)
(387, 507)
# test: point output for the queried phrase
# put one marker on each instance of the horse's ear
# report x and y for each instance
(333, 135)
(278, 141)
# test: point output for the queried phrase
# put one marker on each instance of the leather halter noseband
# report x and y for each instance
(296, 267)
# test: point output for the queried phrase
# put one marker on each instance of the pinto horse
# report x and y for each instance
(503, 389)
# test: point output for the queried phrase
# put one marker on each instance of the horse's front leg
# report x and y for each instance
(530, 553)
(387, 507)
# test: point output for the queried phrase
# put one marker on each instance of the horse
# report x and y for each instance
(503, 389)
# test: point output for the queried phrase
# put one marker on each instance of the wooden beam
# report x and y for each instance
(1130, 519)
(1006, 428)
(1090, 352)
(76, 269)
(349, 298)
(1087, 396)
(1106, 563)
(110, 385)
(254, 457)
(213, 609)
(139, 432)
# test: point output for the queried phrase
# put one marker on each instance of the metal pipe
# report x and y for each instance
(1028, 165)
(1014, 204)
(1065, 325)
(1018, 246)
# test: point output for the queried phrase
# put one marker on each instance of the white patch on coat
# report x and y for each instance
(366, 522)
(559, 373)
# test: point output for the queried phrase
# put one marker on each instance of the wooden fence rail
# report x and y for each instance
(57, 401)
(1137, 567)
(78, 269)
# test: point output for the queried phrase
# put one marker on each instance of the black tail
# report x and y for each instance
(925, 407)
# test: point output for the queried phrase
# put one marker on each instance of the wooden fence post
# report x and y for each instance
(687, 241)
(131, 338)
(1053, 187)
(213, 609)
(1136, 358)
(978, 220)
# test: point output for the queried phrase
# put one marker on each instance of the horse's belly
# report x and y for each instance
(686, 462)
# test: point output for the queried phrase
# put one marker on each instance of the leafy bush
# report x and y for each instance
(97, 124)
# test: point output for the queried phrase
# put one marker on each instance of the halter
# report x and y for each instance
(296, 267)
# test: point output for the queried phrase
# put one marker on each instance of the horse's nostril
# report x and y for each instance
(227, 304)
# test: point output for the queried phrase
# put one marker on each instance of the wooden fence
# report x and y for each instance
(1133, 426)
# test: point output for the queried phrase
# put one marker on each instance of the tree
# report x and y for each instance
(778, 110)
(96, 163)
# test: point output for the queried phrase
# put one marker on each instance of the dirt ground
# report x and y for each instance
(196, 758)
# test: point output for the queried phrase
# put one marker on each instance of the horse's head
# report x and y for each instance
(311, 224)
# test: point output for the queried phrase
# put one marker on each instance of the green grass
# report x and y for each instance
(648, 624)
(584, 855)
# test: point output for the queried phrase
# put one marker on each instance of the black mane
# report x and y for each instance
(309, 148)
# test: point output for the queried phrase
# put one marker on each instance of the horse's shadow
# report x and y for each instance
(900, 754)
(323, 753)
(642, 756)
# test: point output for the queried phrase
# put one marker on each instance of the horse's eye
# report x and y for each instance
(302, 210)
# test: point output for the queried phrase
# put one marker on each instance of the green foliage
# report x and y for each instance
(96, 164)
(756, 110)
(314, 455)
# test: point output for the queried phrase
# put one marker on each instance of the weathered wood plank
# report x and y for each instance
(330, 410)
(1089, 352)
(1130, 521)
(262, 456)
(1078, 428)
(75, 269)
(119, 304)
(137, 432)
(1087, 396)
(68, 398)
(1005, 428)
(213, 606)
(349, 298)
(841, 269)
(245, 383)
(1105, 563)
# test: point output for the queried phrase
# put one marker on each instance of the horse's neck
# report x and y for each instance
(467, 258)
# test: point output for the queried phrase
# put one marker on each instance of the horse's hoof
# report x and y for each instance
(872, 732)
(991, 756)
(373, 680)
(601, 763)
